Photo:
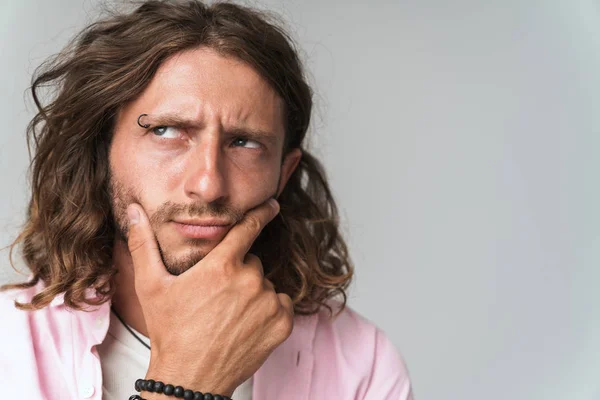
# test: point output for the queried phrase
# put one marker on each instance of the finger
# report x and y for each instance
(147, 262)
(269, 285)
(253, 261)
(286, 303)
(240, 238)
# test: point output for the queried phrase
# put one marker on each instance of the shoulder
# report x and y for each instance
(20, 322)
(10, 296)
(19, 335)
(52, 322)
(348, 326)
(361, 350)
(349, 329)
(40, 348)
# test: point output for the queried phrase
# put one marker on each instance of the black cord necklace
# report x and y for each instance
(129, 329)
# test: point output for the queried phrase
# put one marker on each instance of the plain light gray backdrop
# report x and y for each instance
(461, 140)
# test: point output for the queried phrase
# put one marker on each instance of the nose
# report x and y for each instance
(205, 176)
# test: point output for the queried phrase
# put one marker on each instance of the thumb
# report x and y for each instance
(148, 267)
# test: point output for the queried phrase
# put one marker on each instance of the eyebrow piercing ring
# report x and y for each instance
(145, 126)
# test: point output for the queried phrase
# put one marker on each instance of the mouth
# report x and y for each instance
(204, 230)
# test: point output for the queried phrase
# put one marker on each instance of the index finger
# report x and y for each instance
(240, 238)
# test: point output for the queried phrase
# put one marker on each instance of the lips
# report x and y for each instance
(203, 222)
(211, 230)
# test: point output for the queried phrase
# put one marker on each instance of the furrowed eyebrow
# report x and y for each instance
(170, 120)
(182, 122)
(254, 134)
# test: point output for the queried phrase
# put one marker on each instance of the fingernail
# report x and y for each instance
(274, 203)
(134, 215)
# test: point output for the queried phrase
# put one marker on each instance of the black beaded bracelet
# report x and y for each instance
(150, 385)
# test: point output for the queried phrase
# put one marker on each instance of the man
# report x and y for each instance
(178, 230)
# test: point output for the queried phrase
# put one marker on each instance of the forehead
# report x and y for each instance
(203, 85)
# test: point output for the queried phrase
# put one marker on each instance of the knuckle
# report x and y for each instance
(253, 224)
(251, 280)
(285, 325)
(272, 304)
(139, 246)
(285, 299)
(223, 258)
(255, 263)
(252, 259)
(269, 284)
(135, 242)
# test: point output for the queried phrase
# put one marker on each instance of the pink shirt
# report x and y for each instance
(50, 354)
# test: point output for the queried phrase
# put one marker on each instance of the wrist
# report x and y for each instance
(189, 380)
(151, 389)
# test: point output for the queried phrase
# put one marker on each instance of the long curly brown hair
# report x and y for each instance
(68, 237)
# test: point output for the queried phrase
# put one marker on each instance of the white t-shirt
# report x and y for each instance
(124, 360)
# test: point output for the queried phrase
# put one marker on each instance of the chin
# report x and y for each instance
(178, 263)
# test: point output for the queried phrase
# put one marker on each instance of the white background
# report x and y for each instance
(461, 140)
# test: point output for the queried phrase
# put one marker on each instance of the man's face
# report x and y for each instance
(196, 179)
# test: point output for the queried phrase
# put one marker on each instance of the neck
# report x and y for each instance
(125, 300)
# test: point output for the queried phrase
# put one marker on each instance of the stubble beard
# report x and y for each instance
(121, 197)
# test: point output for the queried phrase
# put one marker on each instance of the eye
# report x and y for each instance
(243, 142)
(168, 132)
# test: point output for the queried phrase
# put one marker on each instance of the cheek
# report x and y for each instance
(139, 176)
(254, 182)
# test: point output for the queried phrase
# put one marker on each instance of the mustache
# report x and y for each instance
(169, 210)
